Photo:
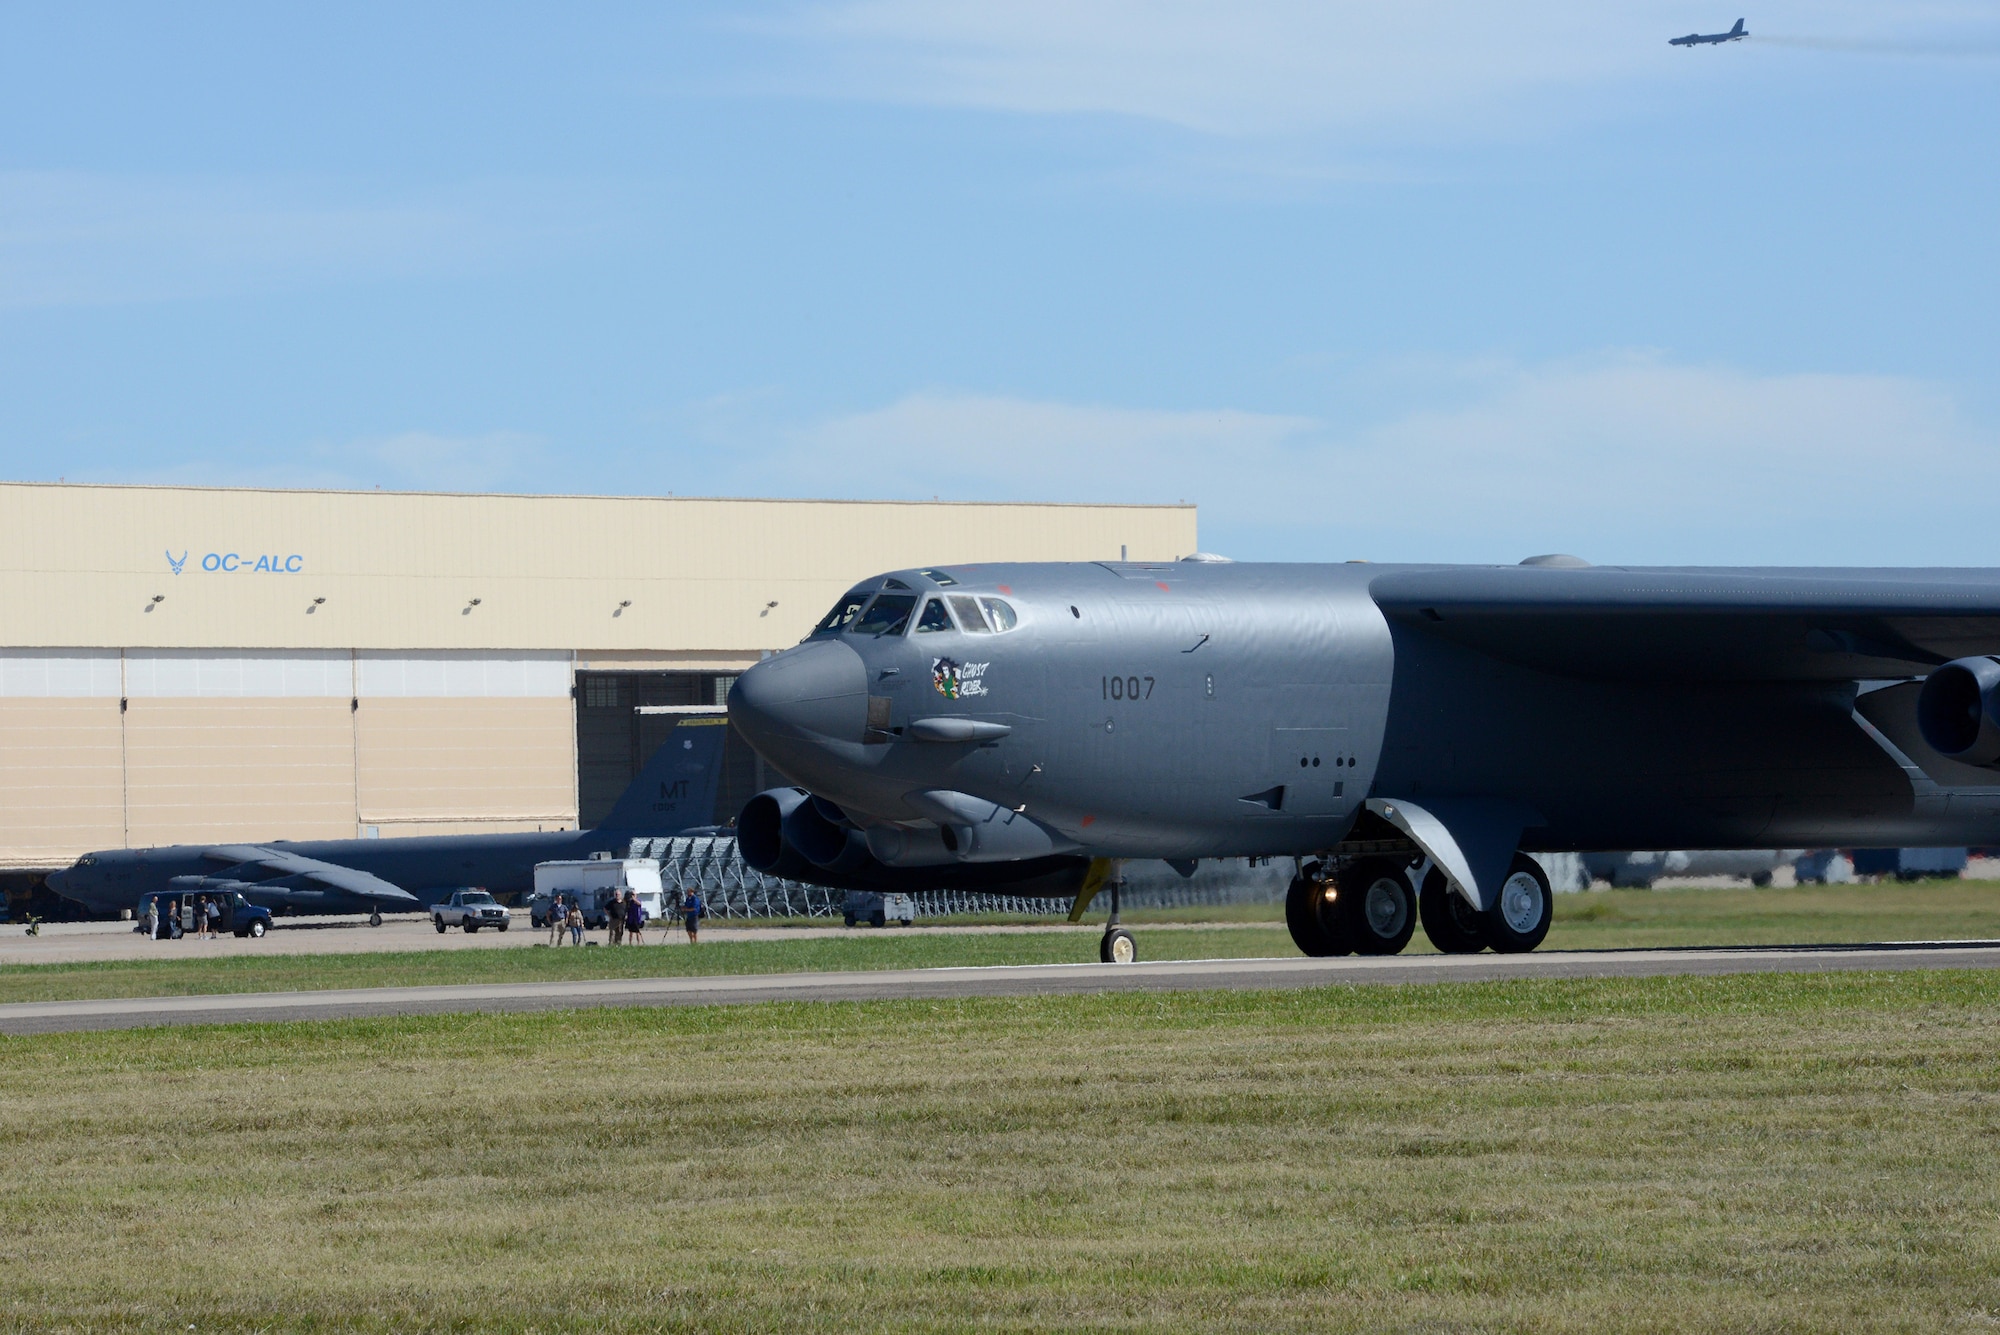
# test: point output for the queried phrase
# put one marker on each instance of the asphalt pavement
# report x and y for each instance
(1007, 981)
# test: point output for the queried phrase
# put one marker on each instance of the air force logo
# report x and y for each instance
(177, 561)
(955, 681)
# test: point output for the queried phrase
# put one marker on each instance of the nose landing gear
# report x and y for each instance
(1117, 947)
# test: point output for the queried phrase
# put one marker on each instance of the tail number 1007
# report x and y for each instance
(1127, 688)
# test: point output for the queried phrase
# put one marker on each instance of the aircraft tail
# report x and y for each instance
(1737, 31)
(676, 786)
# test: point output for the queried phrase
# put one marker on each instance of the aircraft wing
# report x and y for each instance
(1704, 624)
(280, 865)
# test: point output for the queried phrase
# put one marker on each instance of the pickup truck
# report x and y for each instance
(472, 910)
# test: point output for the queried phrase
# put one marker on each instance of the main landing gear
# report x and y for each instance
(1368, 907)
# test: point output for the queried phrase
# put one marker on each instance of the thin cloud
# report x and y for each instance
(1629, 455)
(79, 238)
(406, 461)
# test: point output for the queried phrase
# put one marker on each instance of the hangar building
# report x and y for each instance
(184, 664)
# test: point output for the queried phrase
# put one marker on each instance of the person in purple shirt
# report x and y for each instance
(635, 919)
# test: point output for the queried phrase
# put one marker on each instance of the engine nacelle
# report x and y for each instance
(1958, 711)
(789, 833)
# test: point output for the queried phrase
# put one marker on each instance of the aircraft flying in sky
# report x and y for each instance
(1735, 34)
(674, 791)
(1406, 733)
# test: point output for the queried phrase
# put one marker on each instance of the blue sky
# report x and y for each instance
(1430, 281)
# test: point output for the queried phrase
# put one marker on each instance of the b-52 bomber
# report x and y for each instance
(1693, 39)
(1405, 734)
(674, 790)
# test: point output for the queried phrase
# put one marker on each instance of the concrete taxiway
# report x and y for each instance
(1009, 981)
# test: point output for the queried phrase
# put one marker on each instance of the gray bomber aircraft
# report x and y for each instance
(1406, 733)
(674, 790)
(1735, 34)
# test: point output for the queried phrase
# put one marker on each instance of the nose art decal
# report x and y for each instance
(954, 680)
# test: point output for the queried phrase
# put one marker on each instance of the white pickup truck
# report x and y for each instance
(472, 910)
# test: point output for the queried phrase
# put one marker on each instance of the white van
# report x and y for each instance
(594, 883)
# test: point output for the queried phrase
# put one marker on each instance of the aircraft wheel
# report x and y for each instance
(1518, 918)
(439, 924)
(1452, 924)
(257, 928)
(1316, 930)
(1377, 907)
(1117, 947)
(375, 919)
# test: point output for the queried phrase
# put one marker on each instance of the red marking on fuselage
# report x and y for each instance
(1003, 588)
(1087, 820)
(1161, 587)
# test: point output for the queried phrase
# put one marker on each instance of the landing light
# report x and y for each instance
(1331, 894)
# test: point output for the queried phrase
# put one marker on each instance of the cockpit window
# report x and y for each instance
(935, 617)
(999, 613)
(969, 615)
(87, 860)
(843, 612)
(894, 584)
(938, 577)
(887, 615)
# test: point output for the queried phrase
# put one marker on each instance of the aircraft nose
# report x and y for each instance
(56, 880)
(818, 690)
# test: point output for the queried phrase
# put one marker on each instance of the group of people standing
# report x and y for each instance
(163, 919)
(625, 917)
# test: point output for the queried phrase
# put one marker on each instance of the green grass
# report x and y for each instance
(1604, 919)
(1771, 1153)
(863, 949)
(1893, 911)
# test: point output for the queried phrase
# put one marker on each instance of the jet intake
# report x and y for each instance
(788, 832)
(1958, 711)
(819, 831)
(760, 831)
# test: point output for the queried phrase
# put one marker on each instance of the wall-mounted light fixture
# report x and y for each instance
(466, 610)
(315, 606)
(767, 608)
(158, 598)
(619, 610)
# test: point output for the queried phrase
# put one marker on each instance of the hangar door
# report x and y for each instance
(462, 742)
(613, 738)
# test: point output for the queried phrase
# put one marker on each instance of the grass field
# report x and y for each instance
(1604, 919)
(861, 950)
(1741, 1153)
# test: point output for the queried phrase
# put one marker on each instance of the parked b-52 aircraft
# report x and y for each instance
(674, 791)
(1735, 34)
(1406, 733)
